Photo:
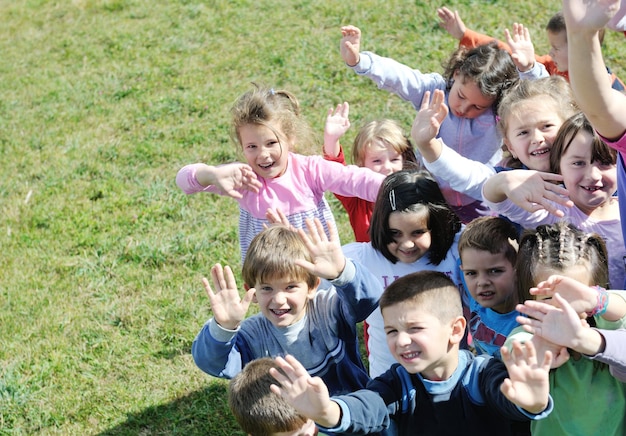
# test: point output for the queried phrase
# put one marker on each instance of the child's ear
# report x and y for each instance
(458, 330)
(508, 147)
(313, 289)
(247, 288)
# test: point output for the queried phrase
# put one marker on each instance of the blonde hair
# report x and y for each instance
(266, 106)
(387, 132)
(271, 255)
(554, 89)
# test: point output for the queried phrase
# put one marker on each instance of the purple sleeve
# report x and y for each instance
(614, 353)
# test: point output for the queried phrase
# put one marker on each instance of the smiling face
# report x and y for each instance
(465, 99)
(410, 233)
(420, 342)
(283, 302)
(264, 151)
(382, 159)
(530, 131)
(590, 184)
(558, 49)
(490, 279)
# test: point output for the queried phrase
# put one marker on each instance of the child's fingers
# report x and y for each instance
(229, 278)
(207, 287)
(217, 273)
(425, 101)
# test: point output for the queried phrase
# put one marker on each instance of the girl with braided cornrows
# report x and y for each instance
(586, 167)
(563, 260)
(268, 126)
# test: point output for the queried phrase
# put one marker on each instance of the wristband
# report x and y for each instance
(602, 303)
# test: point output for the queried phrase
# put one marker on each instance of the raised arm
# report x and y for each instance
(229, 309)
(522, 49)
(584, 299)
(529, 189)
(350, 45)
(528, 382)
(451, 22)
(308, 395)
(603, 106)
(327, 258)
(229, 179)
(337, 124)
(561, 324)
(427, 124)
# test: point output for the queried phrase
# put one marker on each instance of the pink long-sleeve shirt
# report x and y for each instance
(298, 193)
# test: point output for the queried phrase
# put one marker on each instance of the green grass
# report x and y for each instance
(102, 102)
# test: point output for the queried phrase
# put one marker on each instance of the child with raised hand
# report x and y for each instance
(559, 323)
(260, 412)
(530, 114)
(520, 45)
(603, 106)
(380, 145)
(473, 83)
(413, 229)
(282, 273)
(488, 253)
(268, 126)
(587, 168)
(436, 388)
(546, 256)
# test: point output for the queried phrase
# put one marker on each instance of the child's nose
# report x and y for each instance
(279, 298)
(403, 339)
(537, 136)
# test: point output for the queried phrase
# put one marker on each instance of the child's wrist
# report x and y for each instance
(602, 302)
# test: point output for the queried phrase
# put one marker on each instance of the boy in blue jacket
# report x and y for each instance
(282, 273)
(436, 389)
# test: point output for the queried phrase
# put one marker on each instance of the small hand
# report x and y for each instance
(276, 216)
(231, 178)
(429, 118)
(337, 124)
(451, 22)
(522, 49)
(581, 297)
(308, 395)
(581, 15)
(327, 258)
(528, 383)
(350, 45)
(227, 306)
(534, 190)
(557, 322)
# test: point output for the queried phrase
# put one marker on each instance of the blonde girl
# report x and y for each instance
(381, 145)
(529, 116)
(586, 167)
(268, 126)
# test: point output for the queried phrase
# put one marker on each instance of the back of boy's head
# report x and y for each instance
(259, 411)
(262, 106)
(490, 67)
(433, 291)
(414, 191)
(271, 255)
(389, 132)
(556, 24)
(492, 234)
(571, 127)
(558, 247)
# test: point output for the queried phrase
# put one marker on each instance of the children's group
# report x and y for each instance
(484, 292)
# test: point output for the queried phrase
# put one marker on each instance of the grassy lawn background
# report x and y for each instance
(101, 254)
